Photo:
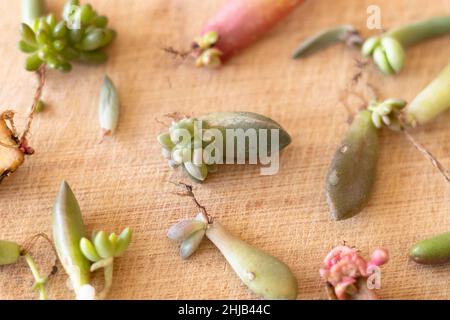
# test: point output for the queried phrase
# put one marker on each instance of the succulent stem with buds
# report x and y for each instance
(388, 50)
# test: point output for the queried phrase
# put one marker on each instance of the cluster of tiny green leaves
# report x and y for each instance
(56, 44)
(185, 153)
(387, 53)
(208, 56)
(104, 248)
(189, 233)
(387, 113)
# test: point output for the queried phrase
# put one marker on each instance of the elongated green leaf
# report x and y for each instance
(352, 172)
(246, 121)
(68, 230)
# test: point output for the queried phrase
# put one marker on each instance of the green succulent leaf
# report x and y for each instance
(103, 245)
(113, 239)
(9, 252)
(26, 48)
(89, 251)
(27, 34)
(33, 62)
(352, 173)
(123, 241)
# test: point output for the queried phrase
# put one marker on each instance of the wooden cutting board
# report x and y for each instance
(124, 181)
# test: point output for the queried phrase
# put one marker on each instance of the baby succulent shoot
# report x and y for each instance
(352, 172)
(349, 276)
(236, 26)
(434, 250)
(198, 145)
(388, 49)
(68, 230)
(11, 253)
(102, 251)
(263, 274)
(345, 33)
(108, 108)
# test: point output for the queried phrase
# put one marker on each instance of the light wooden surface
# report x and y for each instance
(123, 182)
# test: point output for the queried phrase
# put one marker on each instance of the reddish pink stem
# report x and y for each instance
(241, 22)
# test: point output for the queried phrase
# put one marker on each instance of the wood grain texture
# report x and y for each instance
(123, 182)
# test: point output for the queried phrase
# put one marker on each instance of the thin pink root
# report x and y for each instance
(343, 268)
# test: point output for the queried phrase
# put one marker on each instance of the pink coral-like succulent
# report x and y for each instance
(346, 272)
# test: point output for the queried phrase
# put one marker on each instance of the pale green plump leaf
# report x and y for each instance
(103, 245)
(395, 53)
(9, 252)
(165, 141)
(370, 45)
(197, 172)
(113, 239)
(381, 60)
(262, 273)
(123, 241)
(109, 107)
(89, 250)
(184, 229)
(191, 244)
(431, 101)
(376, 120)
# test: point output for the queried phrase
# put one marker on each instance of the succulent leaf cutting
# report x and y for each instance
(198, 145)
(388, 49)
(263, 274)
(238, 24)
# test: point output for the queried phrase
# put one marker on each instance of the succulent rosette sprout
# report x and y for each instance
(81, 36)
(347, 272)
